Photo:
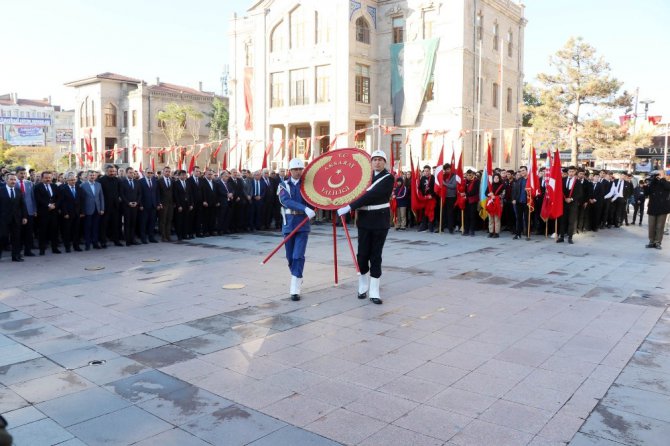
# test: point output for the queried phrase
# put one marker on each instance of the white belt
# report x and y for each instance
(374, 207)
(292, 212)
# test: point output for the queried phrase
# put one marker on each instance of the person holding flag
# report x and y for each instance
(494, 205)
(573, 194)
(552, 206)
(520, 202)
(294, 211)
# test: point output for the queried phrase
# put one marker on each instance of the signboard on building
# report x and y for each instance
(23, 135)
(64, 135)
(15, 120)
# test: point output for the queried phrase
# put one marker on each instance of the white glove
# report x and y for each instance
(310, 213)
(344, 211)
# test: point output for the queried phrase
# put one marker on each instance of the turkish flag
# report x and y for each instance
(552, 206)
(460, 184)
(439, 176)
(191, 165)
(533, 183)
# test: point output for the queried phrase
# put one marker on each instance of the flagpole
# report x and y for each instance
(286, 239)
(500, 99)
(441, 212)
(529, 212)
(462, 221)
(479, 106)
(351, 246)
(335, 243)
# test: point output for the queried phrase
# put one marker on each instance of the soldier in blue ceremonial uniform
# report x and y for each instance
(294, 211)
(373, 222)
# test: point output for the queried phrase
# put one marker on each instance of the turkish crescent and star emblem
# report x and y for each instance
(336, 178)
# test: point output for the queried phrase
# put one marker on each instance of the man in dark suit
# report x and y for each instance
(131, 199)
(111, 227)
(69, 206)
(224, 195)
(13, 214)
(210, 203)
(27, 189)
(426, 189)
(165, 204)
(275, 205)
(196, 215)
(256, 212)
(92, 208)
(150, 201)
(46, 198)
(573, 194)
(183, 205)
(239, 218)
(268, 202)
(597, 198)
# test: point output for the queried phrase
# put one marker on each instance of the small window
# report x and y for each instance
(322, 84)
(494, 95)
(277, 90)
(398, 29)
(92, 113)
(134, 118)
(362, 83)
(277, 38)
(510, 47)
(362, 30)
(479, 26)
(125, 118)
(248, 54)
(509, 100)
(298, 87)
(496, 36)
(110, 115)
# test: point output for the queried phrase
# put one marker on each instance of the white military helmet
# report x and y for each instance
(296, 163)
(379, 153)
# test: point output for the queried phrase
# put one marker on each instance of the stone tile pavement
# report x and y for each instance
(479, 342)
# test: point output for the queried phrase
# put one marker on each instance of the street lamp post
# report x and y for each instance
(646, 103)
(374, 118)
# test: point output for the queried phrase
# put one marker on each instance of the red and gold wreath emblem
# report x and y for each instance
(336, 178)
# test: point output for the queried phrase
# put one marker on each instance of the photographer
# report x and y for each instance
(658, 191)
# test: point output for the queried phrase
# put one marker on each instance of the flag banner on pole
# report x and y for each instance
(533, 183)
(439, 189)
(460, 184)
(248, 99)
(412, 65)
(485, 182)
(552, 206)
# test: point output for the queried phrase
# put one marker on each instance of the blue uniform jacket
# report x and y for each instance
(290, 198)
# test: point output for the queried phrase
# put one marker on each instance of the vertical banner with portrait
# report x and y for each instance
(412, 64)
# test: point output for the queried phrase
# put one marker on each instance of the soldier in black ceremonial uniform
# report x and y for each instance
(374, 218)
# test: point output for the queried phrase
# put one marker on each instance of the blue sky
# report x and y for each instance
(48, 43)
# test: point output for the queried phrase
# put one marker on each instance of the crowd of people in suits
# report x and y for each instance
(87, 210)
(593, 200)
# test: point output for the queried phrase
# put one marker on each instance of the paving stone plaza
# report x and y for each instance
(478, 342)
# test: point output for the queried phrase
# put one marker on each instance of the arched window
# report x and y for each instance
(362, 30)
(110, 115)
(82, 114)
(297, 28)
(92, 114)
(277, 38)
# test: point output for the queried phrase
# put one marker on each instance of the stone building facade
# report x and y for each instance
(317, 71)
(121, 115)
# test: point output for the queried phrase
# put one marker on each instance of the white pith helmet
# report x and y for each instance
(379, 153)
(296, 163)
